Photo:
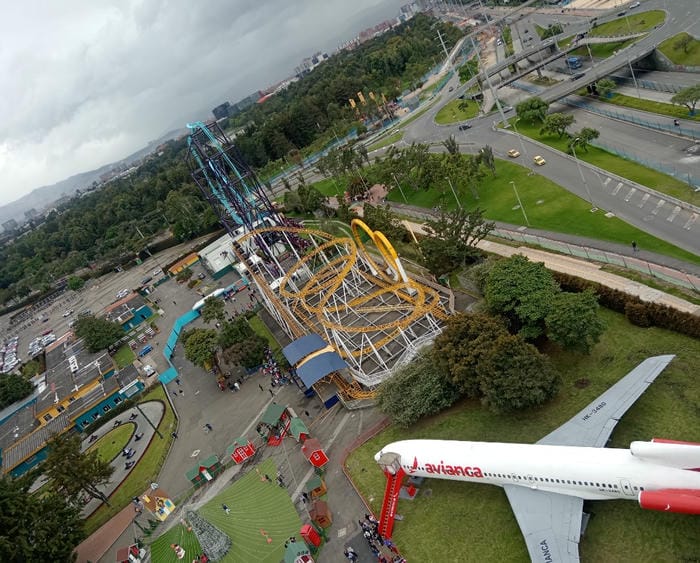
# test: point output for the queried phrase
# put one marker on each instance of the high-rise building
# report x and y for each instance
(222, 111)
(9, 225)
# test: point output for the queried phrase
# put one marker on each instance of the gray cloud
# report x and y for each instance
(86, 83)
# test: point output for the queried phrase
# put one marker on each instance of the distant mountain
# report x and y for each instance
(43, 197)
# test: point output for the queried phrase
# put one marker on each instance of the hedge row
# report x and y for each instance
(638, 312)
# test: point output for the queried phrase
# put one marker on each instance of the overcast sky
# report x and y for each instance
(87, 83)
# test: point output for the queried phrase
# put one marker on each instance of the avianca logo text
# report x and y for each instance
(442, 469)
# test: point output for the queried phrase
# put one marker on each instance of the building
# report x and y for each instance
(128, 312)
(77, 388)
(310, 63)
(9, 225)
(31, 214)
(222, 111)
(248, 101)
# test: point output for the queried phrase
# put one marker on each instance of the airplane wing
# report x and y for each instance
(593, 425)
(550, 523)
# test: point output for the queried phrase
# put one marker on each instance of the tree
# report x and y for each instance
(683, 42)
(213, 310)
(514, 375)
(36, 527)
(75, 283)
(606, 87)
(468, 70)
(452, 239)
(248, 353)
(485, 157)
(573, 321)
(557, 123)
(461, 345)
(419, 389)
(13, 388)
(552, 30)
(688, 97)
(382, 218)
(72, 473)
(200, 346)
(583, 138)
(98, 334)
(532, 109)
(236, 331)
(451, 145)
(184, 275)
(522, 292)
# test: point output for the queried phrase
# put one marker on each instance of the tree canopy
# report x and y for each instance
(98, 334)
(688, 97)
(213, 310)
(13, 388)
(73, 473)
(532, 109)
(573, 321)
(557, 123)
(36, 527)
(248, 353)
(200, 345)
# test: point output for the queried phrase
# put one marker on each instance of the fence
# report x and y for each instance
(647, 84)
(675, 277)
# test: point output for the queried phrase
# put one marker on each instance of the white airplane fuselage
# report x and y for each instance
(588, 473)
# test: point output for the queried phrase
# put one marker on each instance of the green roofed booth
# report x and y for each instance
(274, 424)
(297, 552)
(204, 471)
(315, 487)
(298, 430)
(241, 450)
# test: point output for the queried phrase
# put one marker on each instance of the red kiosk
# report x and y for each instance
(241, 449)
(313, 451)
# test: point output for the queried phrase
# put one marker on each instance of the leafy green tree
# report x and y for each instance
(513, 375)
(75, 283)
(557, 123)
(233, 332)
(13, 388)
(532, 109)
(248, 353)
(36, 527)
(683, 42)
(292, 202)
(356, 187)
(468, 70)
(582, 139)
(73, 473)
(382, 218)
(573, 321)
(98, 334)
(200, 346)
(311, 198)
(451, 145)
(213, 310)
(184, 275)
(606, 86)
(459, 348)
(485, 157)
(452, 239)
(552, 30)
(687, 97)
(419, 389)
(31, 368)
(522, 292)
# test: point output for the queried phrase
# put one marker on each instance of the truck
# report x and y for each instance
(574, 62)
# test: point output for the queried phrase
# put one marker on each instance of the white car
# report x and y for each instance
(68, 313)
(148, 370)
(123, 293)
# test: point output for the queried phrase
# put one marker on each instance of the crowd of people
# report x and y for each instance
(382, 548)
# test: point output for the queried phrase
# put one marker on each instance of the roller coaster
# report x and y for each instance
(354, 293)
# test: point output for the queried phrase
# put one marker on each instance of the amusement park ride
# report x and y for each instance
(362, 302)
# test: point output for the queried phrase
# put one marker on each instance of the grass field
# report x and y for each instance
(450, 113)
(470, 522)
(603, 50)
(256, 506)
(618, 165)
(660, 108)
(548, 206)
(631, 23)
(146, 470)
(260, 328)
(386, 141)
(111, 444)
(690, 56)
(124, 357)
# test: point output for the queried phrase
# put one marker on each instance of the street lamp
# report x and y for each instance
(517, 134)
(583, 178)
(520, 203)
(399, 186)
(453, 191)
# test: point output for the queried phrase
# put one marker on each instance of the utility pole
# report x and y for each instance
(488, 81)
(444, 47)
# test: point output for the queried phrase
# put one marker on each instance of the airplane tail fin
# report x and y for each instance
(671, 453)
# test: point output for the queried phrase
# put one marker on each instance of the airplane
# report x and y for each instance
(547, 482)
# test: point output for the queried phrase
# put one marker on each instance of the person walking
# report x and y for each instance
(350, 553)
(271, 393)
(174, 435)
(208, 428)
(227, 510)
(634, 246)
(261, 387)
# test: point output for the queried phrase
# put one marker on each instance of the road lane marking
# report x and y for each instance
(690, 222)
(658, 207)
(630, 194)
(644, 200)
(674, 214)
(617, 188)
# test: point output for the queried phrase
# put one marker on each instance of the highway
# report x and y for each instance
(654, 213)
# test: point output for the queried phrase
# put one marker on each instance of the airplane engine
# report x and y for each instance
(683, 501)
(684, 455)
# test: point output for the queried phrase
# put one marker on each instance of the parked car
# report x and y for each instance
(68, 313)
(145, 350)
(464, 127)
(148, 370)
(513, 153)
(539, 161)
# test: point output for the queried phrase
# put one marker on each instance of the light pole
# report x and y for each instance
(399, 186)
(520, 203)
(583, 178)
(453, 191)
(634, 78)
(517, 134)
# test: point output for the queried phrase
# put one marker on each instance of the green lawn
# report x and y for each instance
(450, 113)
(386, 141)
(548, 206)
(146, 470)
(631, 23)
(260, 328)
(471, 522)
(603, 50)
(124, 357)
(690, 56)
(617, 165)
(255, 506)
(330, 186)
(652, 106)
(111, 444)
